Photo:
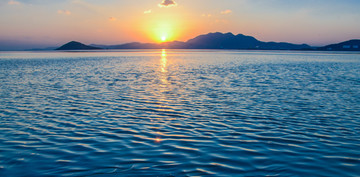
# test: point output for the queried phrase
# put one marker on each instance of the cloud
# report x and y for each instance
(206, 15)
(147, 11)
(65, 12)
(13, 2)
(112, 19)
(167, 3)
(226, 12)
(31, 2)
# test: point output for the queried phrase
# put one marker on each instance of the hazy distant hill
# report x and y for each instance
(351, 45)
(41, 49)
(73, 45)
(138, 45)
(132, 45)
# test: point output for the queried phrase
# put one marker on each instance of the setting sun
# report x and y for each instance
(163, 38)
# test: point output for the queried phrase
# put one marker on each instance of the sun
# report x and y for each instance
(163, 38)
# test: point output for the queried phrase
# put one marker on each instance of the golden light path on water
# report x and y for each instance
(163, 61)
(163, 85)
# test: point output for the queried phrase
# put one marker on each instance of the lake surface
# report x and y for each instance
(179, 113)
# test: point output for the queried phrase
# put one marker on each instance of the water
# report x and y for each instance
(179, 113)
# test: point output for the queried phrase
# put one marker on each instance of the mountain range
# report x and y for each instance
(218, 41)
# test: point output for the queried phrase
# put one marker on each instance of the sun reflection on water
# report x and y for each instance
(163, 61)
(162, 88)
(157, 139)
(163, 64)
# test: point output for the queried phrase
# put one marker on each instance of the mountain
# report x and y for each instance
(73, 45)
(240, 41)
(351, 45)
(223, 41)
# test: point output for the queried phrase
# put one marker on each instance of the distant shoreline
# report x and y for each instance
(177, 50)
(227, 41)
(214, 41)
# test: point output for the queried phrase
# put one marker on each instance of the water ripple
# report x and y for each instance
(176, 113)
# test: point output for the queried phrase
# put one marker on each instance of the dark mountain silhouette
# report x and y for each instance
(351, 45)
(223, 41)
(218, 41)
(240, 41)
(73, 45)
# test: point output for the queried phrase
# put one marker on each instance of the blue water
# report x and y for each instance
(179, 113)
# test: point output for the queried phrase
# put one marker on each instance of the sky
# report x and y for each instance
(26, 24)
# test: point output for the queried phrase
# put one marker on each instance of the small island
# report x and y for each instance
(74, 45)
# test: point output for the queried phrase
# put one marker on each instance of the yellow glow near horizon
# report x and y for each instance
(162, 26)
(162, 30)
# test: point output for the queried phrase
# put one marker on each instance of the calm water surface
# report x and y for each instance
(179, 113)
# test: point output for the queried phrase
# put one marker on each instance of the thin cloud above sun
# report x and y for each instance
(12, 2)
(206, 15)
(167, 3)
(112, 19)
(147, 11)
(226, 12)
(64, 12)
